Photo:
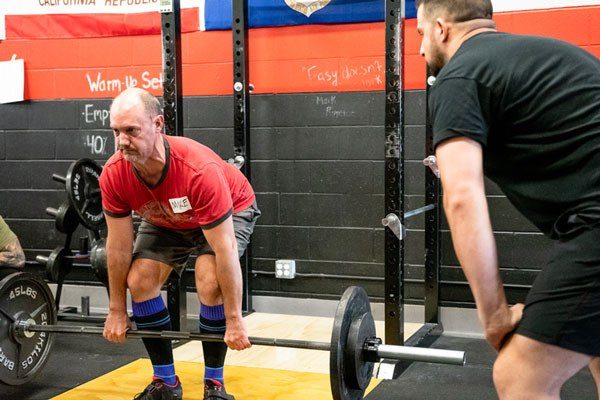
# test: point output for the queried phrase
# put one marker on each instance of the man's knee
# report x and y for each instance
(206, 279)
(143, 280)
(208, 286)
(503, 375)
(513, 375)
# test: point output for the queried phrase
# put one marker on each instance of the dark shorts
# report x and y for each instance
(563, 306)
(174, 247)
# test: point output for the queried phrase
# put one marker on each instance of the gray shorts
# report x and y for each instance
(174, 247)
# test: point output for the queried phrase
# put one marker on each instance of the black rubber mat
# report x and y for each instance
(423, 381)
(74, 359)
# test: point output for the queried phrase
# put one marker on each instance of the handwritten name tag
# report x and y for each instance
(180, 204)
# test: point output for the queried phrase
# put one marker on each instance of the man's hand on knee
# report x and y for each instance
(502, 325)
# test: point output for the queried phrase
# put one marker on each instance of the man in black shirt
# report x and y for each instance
(525, 111)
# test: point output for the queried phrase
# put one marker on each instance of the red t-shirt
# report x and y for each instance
(197, 188)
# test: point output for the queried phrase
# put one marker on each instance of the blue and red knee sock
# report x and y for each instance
(153, 315)
(212, 320)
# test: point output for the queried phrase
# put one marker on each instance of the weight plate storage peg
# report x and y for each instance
(66, 218)
(57, 264)
(24, 296)
(83, 189)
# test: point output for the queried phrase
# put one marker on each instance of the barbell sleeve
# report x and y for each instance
(423, 354)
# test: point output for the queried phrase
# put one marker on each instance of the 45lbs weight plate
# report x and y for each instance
(24, 296)
(83, 188)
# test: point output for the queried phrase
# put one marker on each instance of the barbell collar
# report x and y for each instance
(422, 354)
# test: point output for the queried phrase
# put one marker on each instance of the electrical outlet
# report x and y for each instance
(285, 269)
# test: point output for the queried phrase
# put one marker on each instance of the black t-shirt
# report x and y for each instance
(534, 105)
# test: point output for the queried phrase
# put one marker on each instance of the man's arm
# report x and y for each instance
(460, 162)
(221, 239)
(11, 255)
(119, 248)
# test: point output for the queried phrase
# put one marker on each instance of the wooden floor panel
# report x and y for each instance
(244, 382)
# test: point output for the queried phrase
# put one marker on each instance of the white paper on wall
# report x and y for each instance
(12, 80)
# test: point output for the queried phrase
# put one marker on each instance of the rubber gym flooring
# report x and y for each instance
(105, 371)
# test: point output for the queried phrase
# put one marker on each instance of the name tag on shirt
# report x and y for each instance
(180, 205)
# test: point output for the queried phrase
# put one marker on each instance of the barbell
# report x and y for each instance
(28, 320)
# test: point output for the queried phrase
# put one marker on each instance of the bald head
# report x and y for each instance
(134, 97)
(456, 10)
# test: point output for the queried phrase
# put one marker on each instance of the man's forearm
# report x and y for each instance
(118, 268)
(229, 276)
(476, 250)
(12, 255)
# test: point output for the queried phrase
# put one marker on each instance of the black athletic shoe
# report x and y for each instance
(216, 392)
(159, 390)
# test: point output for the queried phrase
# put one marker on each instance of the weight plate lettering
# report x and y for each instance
(24, 296)
(83, 189)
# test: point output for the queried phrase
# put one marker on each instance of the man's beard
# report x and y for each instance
(128, 155)
(436, 63)
(131, 157)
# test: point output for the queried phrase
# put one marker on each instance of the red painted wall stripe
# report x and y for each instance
(310, 58)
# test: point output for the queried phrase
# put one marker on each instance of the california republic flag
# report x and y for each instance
(45, 19)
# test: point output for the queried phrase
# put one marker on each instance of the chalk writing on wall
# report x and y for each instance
(332, 109)
(369, 74)
(92, 114)
(99, 83)
(96, 144)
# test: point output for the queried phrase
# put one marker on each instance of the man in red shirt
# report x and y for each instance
(189, 200)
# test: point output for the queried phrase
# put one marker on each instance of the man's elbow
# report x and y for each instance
(461, 200)
(225, 247)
